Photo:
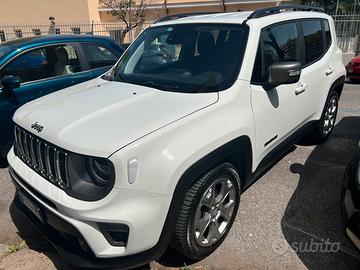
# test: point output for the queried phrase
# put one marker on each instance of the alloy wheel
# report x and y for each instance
(330, 115)
(214, 212)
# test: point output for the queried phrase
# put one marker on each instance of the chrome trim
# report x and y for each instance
(26, 148)
(40, 160)
(32, 153)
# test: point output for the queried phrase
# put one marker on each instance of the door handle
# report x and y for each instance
(301, 89)
(329, 71)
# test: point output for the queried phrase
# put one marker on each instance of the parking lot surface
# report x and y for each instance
(289, 219)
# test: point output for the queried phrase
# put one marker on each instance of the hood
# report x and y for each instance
(99, 117)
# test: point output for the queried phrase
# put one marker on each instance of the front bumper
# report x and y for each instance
(74, 231)
(350, 202)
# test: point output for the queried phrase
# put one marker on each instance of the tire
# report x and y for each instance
(324, 127)
(206, 215)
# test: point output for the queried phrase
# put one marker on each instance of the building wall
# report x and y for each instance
(157, 8)
(36, 11)
(31, 11)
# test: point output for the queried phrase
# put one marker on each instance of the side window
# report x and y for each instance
(327, 34)
(99, 56)
(313, 40)
(69, 56)
(44, 63)
(30, 66)
(278, 43)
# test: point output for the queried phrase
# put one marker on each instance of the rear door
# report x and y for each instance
(317, 66)
(278, 111)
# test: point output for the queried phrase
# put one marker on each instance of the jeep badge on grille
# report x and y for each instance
(37, 127)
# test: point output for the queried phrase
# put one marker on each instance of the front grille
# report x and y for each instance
(44, 158)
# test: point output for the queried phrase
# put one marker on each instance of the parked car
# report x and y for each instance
(36, 66)
(116, 169)
(353, 69)
(350, 199)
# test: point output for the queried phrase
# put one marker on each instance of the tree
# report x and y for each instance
(330, 5)
(130, 12)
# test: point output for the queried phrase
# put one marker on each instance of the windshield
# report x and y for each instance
(189, 58)
(4, 50)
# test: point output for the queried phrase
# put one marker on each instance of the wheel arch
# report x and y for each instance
(337, 86)
(238, 152)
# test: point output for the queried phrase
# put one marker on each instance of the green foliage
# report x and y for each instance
(130, 12)
(330, 5)
(16, 247)
(185, 267)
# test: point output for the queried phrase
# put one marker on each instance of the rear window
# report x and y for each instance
(313, 38)
(327, 34)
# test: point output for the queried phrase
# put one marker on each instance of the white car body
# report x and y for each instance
(167, 132)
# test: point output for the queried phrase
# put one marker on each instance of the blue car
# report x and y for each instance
(37, 66)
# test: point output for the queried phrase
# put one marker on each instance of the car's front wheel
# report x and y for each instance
(207, 213)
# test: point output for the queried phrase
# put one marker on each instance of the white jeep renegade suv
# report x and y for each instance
(157, 151)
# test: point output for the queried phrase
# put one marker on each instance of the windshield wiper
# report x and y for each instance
(161, 86)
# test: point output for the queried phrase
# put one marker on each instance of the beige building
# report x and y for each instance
(20, 18)
(38, 11)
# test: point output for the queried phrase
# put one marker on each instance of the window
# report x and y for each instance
(76, 30)
(18, 33)
(37, 32)
(277, 44)
(44, 63)
(57, 31)
(188, 58)
(29, 66)
(327, 34)
(313, 40)
(2, 36)
(99, 56)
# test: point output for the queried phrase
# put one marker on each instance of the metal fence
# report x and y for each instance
(113, 29)
(348, 32)
(347, 28)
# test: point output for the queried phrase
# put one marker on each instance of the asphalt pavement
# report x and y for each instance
(289, 219)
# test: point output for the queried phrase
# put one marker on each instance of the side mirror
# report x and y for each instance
(284, 73)
(10, 83)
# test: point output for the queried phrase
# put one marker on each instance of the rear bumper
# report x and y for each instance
(353, 75)
(69, 241)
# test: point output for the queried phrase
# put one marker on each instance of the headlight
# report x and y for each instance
(91, 178)
(100, 170)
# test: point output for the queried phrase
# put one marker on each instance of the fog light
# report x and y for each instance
(83, 245)
(132, 168)
(115, 234)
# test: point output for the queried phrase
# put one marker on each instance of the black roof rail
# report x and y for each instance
(278, 9)
(182, 15)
